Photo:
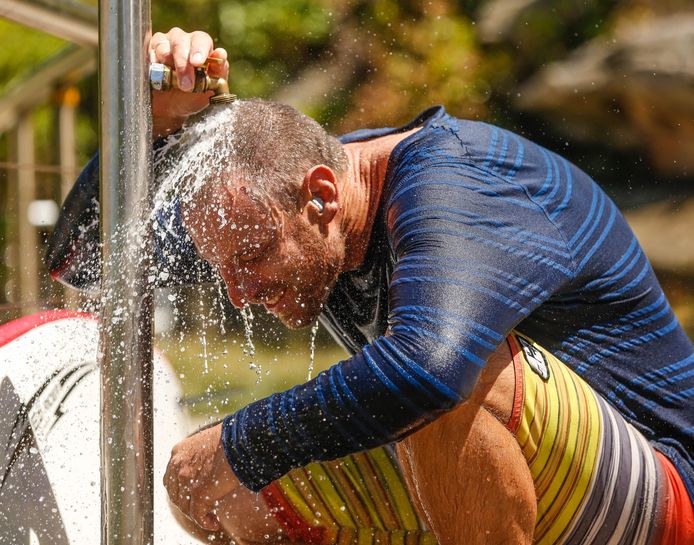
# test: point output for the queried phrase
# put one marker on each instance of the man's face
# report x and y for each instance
(265, 255)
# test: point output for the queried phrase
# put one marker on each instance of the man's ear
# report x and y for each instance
(320, 192)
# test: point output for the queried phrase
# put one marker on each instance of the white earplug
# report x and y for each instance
(319, 204)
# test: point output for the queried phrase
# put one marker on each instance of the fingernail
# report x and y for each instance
(197, 57)
(185, 83)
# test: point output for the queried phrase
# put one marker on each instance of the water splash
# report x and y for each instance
(221, 297)
(191, 157)
(185, 163)
(203, 337)
(312, 348)
(249, 347)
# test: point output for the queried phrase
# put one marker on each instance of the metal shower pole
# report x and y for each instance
(126, 321)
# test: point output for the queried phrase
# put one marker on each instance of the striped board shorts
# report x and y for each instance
(597, 479)
(360, 499)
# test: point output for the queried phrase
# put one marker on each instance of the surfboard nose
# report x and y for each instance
(49, 432)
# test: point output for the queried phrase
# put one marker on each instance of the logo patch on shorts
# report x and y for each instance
(535, 358)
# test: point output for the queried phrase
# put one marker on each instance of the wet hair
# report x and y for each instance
(274, 145)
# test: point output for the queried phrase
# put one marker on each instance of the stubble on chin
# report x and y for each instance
(328, 265)
(314, 303)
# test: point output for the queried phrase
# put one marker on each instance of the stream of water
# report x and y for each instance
(249, 347)
(184, 163)
(312, 349)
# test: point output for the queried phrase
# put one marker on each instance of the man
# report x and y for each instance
(421, 248)
(573, 472)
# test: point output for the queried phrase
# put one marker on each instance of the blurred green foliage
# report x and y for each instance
(358, 63)
(24, 50)
(383, 60)
(216, 375)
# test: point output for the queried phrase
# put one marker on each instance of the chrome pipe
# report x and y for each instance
(126, 302)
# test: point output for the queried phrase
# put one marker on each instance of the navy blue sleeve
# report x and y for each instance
(475, 255)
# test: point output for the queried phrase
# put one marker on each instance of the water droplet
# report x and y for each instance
(249, 349)
(312, 349)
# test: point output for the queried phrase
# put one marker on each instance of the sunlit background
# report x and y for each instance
(606, 83)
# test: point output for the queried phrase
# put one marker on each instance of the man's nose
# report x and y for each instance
(235, 296)
(235, 293)
(234, 289)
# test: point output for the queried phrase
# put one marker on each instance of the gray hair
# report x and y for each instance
(275, 144)
(267, 145)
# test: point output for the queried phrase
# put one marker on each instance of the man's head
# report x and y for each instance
(270, 221)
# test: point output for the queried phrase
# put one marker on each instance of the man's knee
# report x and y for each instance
(467, 473)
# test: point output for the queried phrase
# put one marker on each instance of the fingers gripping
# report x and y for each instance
(180, 50)
(201, 47)
(185, 51)
(220, 70)
(186, 490)
(160, 49)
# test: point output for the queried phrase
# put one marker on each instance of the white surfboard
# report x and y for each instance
(49, 433)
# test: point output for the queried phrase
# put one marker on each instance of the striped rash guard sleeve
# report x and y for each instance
(474, 255)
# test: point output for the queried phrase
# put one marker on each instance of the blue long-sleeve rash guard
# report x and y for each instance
(480, 231)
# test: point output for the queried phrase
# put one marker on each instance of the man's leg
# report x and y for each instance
(467, 473)
(573, 472)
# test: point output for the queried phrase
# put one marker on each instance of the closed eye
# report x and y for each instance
(249, 258)
(256, 254)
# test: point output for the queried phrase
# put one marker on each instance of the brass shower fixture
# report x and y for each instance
(163, 78)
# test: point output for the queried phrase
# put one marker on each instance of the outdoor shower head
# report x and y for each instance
(162, 78)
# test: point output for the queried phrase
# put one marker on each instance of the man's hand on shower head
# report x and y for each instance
(183, 51)
(198, 476)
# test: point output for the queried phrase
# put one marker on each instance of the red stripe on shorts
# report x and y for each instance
(679, 514)
(296, 528)
(517, 410)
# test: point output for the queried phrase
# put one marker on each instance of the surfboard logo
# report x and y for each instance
(29, 510)
(535, 358)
